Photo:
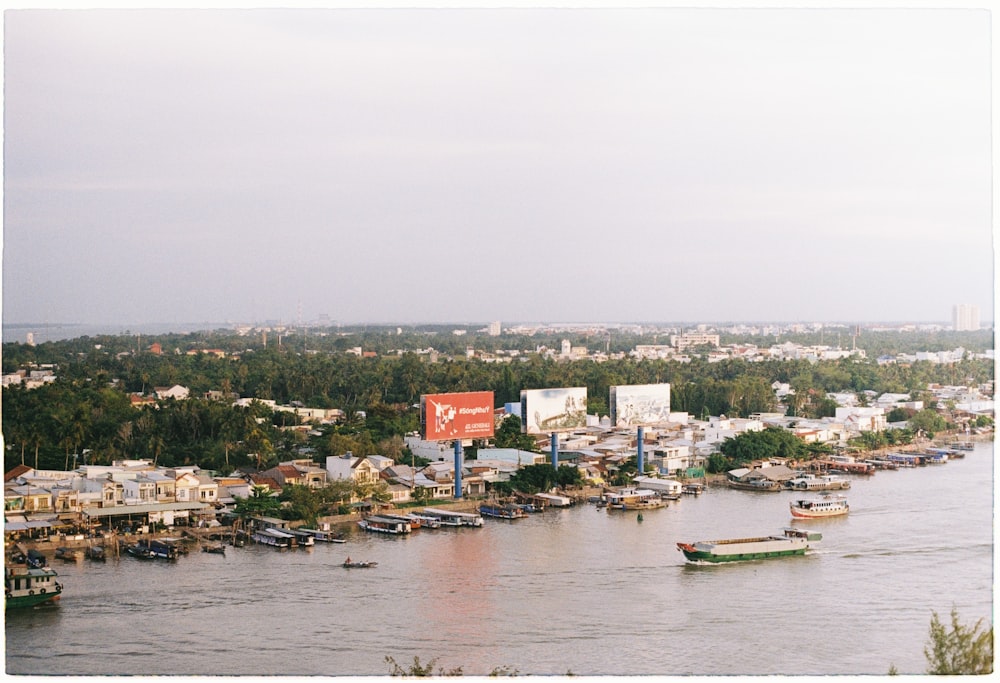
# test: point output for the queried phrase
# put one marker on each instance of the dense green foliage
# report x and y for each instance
(541, 478)
(772, 442)
(86, 416)
(960, 650)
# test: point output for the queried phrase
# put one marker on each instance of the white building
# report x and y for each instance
(965, 317)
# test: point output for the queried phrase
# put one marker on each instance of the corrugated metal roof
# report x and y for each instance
(142, 509)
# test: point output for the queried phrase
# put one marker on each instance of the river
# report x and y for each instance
(579, 590)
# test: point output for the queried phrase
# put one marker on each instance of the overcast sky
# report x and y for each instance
(419, 165)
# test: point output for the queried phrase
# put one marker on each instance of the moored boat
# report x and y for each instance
(883, 464)
(385, 525)
(324, 536)
(827, 506)
(95, 552)
(36, 559)
(277, 538)
(424, 521)
(30, 586)
(502, 511)
(160, 548)
(789, 542)
(634, 499)
(139, 551)
(755, 485)
(217, 549)
(812, 482)
(303, 539)
(904, 459)
(67, 554)
(348, 564)
(454, 518)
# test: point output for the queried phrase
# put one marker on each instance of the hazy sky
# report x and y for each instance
(408, 165)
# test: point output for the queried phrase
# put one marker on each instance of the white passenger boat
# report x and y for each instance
(634, 499)
(827, 506)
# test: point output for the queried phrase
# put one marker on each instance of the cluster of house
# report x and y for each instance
(30, 378)
(36, 501)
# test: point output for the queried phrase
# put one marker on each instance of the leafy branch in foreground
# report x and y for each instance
(418, 669)
(961, 650)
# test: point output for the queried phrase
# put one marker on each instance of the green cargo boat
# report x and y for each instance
(789, 542)
(30, 586)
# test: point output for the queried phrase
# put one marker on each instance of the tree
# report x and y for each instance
(306, 504)
(508, 435)
(929, 421)
(770, 443)
(258, 504)
(961, 650)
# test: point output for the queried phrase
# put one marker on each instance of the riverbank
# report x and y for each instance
(197, 535)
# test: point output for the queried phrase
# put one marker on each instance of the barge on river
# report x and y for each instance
(789, 542)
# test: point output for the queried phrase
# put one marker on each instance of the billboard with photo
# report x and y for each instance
(634, 405)
(445, 417)
(553, 410)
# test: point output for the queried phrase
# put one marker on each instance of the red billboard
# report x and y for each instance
(445, 417)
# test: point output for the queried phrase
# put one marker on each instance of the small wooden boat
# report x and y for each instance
(348, 564)
(217, 549)
(67, 554)
(35, 559)
(95, 552)
(139, 551)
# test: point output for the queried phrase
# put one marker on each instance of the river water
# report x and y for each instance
(580, 590)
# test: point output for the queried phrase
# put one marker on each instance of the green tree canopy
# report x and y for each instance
(770, 443)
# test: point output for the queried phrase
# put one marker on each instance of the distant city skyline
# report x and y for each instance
(405, 166)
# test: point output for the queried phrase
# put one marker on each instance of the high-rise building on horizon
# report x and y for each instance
(494, 329)
(965, 317)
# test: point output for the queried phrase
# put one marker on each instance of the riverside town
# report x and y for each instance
(122, 447)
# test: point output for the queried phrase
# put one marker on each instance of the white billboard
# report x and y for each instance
(635, 405)
(553, 410)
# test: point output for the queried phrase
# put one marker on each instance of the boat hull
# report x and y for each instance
(793, 542)
(22, 601)
(703, 556)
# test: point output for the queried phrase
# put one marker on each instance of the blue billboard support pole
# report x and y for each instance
(554, 448)
(638, 453)
(458, 469)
